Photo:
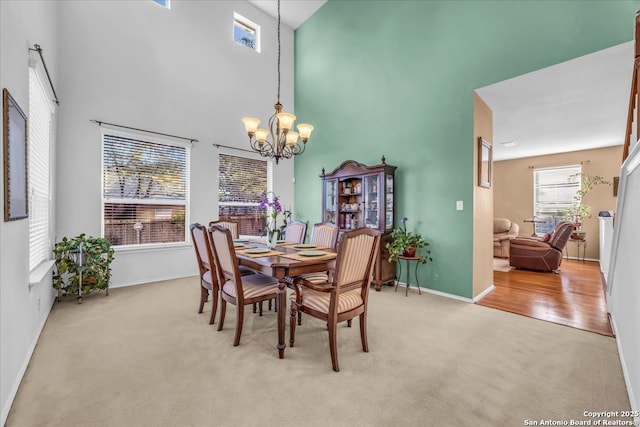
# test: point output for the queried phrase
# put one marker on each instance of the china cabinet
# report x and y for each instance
(356, 195)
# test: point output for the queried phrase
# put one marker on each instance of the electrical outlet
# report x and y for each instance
(459, 205)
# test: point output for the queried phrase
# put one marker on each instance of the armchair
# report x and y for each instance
(346, 295)
(535, 254)
(504, 230)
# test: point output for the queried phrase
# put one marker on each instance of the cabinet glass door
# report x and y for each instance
(330, 202)
(371, 209)
(388, 217)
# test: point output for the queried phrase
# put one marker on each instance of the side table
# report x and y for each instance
(579, 243)
(408, 260)
(534, 221)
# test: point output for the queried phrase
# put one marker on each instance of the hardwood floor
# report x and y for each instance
(574, 297)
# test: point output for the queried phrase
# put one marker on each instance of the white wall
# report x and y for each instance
(133, 63)
(23, 309)
(174, 71)
(623, 286)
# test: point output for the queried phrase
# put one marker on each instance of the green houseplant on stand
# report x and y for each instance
(82, 265)
(407, 243)
(578, 210)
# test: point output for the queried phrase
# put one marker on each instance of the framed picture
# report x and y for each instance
(485, 160)
(14, 121)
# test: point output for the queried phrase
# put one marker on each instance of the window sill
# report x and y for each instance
(37, 274)
(131, 249)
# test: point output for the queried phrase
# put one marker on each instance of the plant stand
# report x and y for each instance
(408, 260)
(82, 265)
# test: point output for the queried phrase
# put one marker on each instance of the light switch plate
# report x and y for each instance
(459, 205)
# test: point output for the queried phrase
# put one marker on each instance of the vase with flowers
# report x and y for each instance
(407, 243)
(270, 208)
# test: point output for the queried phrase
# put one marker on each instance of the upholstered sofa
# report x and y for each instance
(541, 254)
(503, 231)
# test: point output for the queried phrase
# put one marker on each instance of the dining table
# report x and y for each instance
(284, 262)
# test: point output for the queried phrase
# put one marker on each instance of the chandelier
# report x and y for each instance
(279, 141)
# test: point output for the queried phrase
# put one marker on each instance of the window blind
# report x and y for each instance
(145, 191)
(243, 182)
(39, 128)
(554, 190)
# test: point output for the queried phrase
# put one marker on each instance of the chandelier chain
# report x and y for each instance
(278, 51)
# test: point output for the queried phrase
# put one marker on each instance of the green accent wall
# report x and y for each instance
(396, 78)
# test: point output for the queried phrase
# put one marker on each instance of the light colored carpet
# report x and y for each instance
(143, 357)
(502, 264)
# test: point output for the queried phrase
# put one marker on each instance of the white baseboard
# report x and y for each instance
(483, 293)
(433, 291)
(157, 279)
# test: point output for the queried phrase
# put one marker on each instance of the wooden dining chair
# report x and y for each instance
(323, 235)
(295, 232)
(238, 290)
(346, 295)
(206, 265)
(231, 225)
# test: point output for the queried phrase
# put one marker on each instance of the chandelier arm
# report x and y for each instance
(265, 151)
(299, 148)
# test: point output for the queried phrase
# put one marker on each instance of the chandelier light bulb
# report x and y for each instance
(250, 124)
(285, 120)
(305, 131)
(292, 138)
(261, 134)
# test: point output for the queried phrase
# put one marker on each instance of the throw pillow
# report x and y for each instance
(547, 236)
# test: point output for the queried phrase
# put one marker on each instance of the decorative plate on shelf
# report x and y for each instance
(304, 246)
(257, 251)
(311, 253)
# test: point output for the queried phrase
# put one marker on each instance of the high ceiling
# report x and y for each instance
(576, 105)
(292, 12)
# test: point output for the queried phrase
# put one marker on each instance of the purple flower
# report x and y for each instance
(405, 219)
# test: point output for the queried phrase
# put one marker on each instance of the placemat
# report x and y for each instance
(270, 253)
(242, 247)
(297, 257)
(310, 248)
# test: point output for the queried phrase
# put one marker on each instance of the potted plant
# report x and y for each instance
(82, 264)
(270, 207)
(578, 210)
(407, 243)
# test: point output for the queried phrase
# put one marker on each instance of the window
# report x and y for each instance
(39, 131)
(554, 190)
(246, 32)
(145, 191)
(163, 3)
(243, 182)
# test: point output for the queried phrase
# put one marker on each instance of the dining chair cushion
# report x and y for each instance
(206, 279)
(254, 285)
(319, 301)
